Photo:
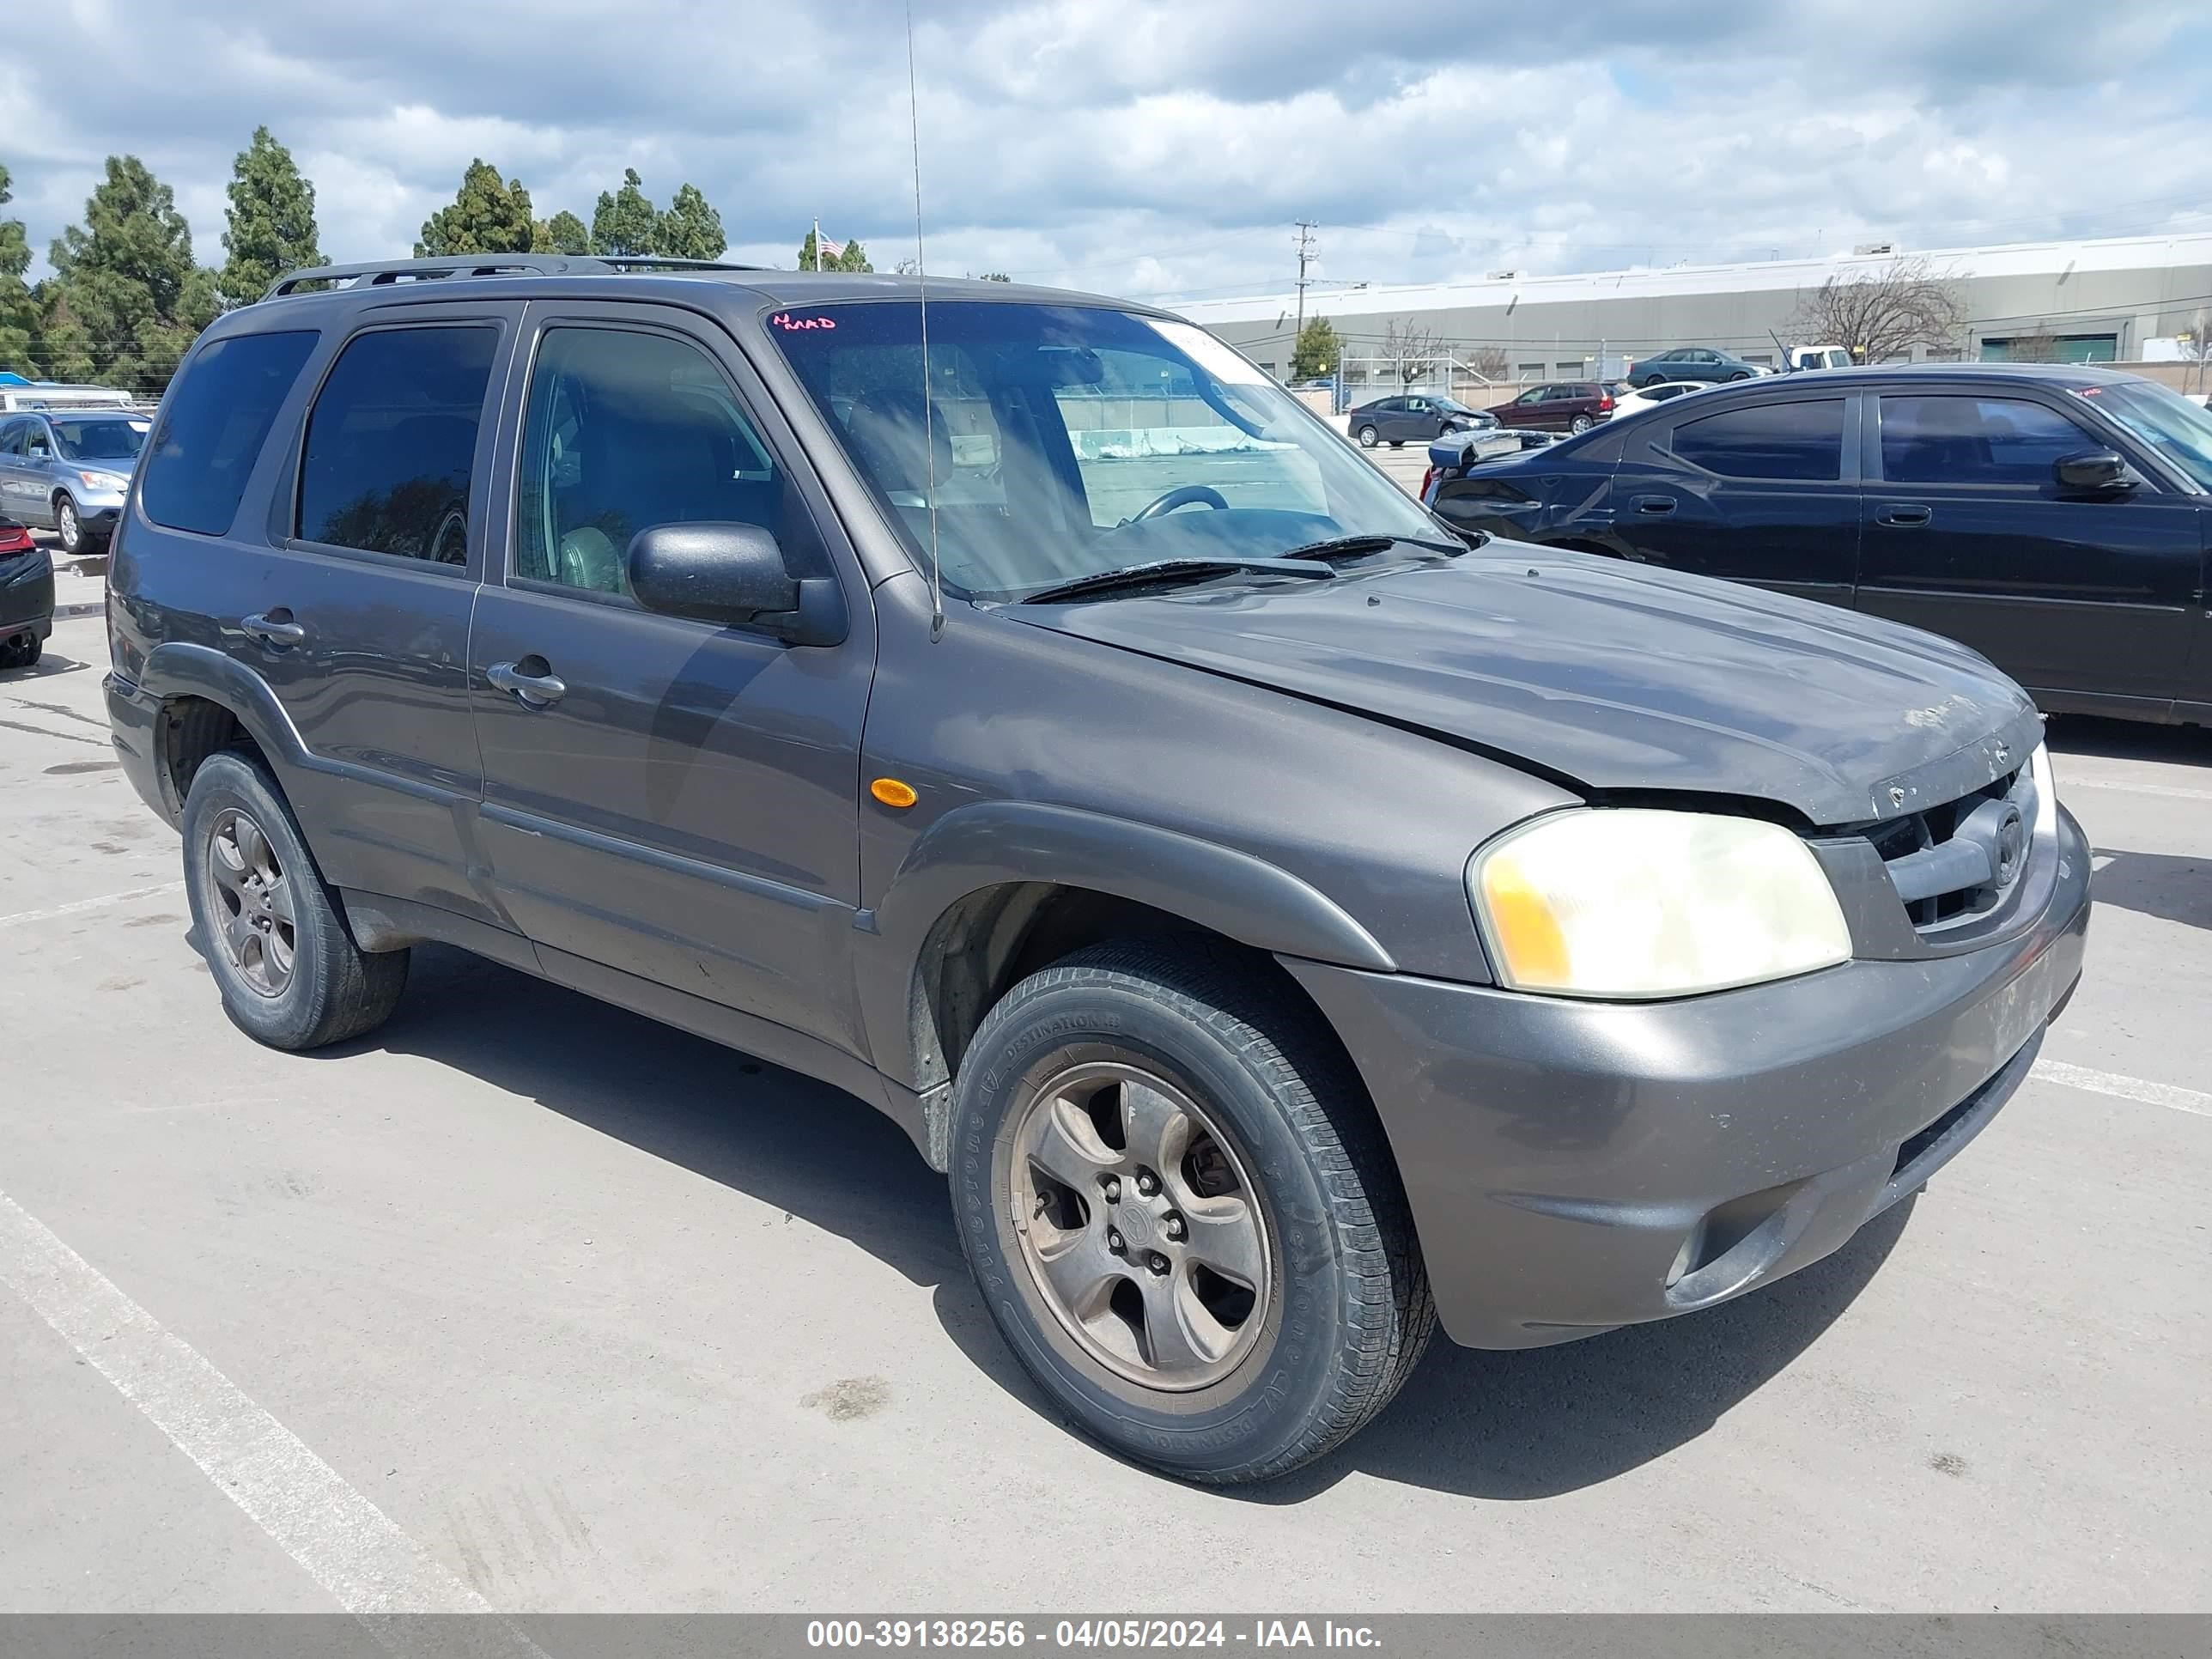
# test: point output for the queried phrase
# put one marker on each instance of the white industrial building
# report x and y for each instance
(2121, 299)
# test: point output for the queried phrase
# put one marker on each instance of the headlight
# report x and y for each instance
(2046, 791)
(1633, 903)
(101, 481)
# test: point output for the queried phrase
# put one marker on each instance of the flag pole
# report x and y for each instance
(817, 245)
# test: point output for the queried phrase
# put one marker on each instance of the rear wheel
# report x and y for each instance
(1581, 423)
(1368, 434)
(1158, 1174)
(289, 972)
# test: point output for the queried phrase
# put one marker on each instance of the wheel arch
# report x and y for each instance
(991, 892)
(208, 703)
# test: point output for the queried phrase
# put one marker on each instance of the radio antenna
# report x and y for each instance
(928, 403)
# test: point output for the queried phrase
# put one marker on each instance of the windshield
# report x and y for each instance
(108, 439)
(2180, 431)
(1071, 439)
(1452, 406)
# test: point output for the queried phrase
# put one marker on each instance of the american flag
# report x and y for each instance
(828, 249)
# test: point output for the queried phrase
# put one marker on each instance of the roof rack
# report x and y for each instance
(382, 273)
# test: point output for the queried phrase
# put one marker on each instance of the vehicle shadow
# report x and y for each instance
(48, 665)
(2164, 885)
(2087, 734)
(1500, 1426)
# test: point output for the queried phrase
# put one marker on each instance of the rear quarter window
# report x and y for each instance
(218, 417)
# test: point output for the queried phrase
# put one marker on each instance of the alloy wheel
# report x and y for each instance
(1139, 1227)
(66, 522)
(250, 903)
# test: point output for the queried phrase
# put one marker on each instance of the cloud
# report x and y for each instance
(1155, 148)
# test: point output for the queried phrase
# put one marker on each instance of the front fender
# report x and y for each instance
(994, 842)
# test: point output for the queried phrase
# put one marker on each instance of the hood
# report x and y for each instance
(1611, 677)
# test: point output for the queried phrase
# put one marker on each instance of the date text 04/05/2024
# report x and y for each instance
(1113, 1634)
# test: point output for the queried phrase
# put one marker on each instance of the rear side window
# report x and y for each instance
(391, 443)
(1975, 440)
(1802, 441)
(217, 418)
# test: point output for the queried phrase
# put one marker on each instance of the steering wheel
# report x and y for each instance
(1183, 496)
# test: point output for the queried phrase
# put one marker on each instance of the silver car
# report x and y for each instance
(68, 470)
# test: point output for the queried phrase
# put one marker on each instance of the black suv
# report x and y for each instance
(2056, 519)
(1288, 925)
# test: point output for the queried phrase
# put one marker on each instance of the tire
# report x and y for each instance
(1397, 443)
(1581, 423)
(1278, 1130)
(328, 989)
(68, 525)
(1368, 434)
(1738, 376)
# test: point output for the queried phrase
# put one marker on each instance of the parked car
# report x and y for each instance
(1559, 406)
(1286, 926)
(1692, 363)
(70, 470)
(27, 596)
(1650, 397)
(2054, 518)
(1415, 417)
(1803, 359)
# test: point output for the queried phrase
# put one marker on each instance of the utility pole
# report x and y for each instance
(1306, 228)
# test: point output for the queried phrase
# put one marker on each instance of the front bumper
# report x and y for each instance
(1576, 1166)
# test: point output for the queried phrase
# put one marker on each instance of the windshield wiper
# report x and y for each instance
(1171, 570)
(1354, 547)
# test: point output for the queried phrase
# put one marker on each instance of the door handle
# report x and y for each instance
(274, 628)
(531, 690)
(1657, 506)
(1903, 515)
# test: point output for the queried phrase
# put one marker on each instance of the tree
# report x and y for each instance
(625, 222)
(271, 220)
(1318, 350)
(1411, 349)
(1880, 315)
(127, 298)
(996, 277)
(564, 233)
(852, 257)
(19, 311)
(2034, 345)
(1491, 363)
(690, 229)
(486, 216)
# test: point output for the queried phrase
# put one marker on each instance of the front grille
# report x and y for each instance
(1954, 863)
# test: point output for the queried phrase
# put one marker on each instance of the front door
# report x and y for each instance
(1763, 492)
(1968, 533)
(37, 473)
(669, 798)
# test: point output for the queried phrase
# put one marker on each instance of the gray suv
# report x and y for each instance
(70, 470)
(1289, 925)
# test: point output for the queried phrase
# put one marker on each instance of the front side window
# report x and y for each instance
(38, 444)
(1803, 442)
(1534, 395)
(1975, 440)
(391, 442)
(213, 428)
(625, 430)
(1058, 441)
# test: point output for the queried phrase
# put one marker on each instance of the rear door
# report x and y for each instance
(673, 800)
(1765, 493)
(2086, 600)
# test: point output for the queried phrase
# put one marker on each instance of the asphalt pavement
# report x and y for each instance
(527, 1303)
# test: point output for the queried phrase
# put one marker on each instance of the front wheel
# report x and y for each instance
(1368, 434)
(1738, 376)
(68, 525)
(1182, 1214)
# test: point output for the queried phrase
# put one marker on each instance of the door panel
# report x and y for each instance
(684, 807)
(1967, 534)
(1762, 494)
(358, 618)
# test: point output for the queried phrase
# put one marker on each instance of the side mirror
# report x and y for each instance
(2092, 470)
(732, 574)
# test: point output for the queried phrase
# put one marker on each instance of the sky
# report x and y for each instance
(1162, 150)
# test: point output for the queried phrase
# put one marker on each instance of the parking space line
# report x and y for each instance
(344, 1541)
(2124, 1088)
(23, 918)
(2171, 792)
